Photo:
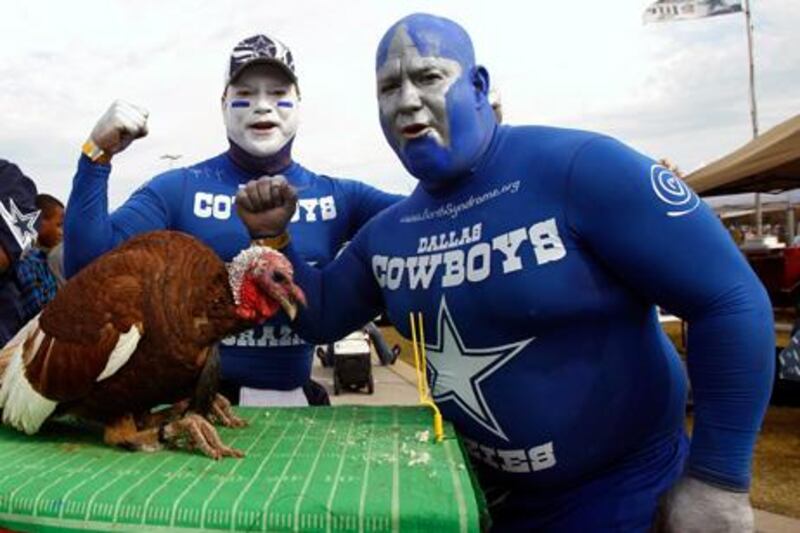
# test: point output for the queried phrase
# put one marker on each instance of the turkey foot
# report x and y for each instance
(221, 413)
(195, 432)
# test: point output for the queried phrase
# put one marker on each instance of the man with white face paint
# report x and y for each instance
(537, 257)
(269, 365)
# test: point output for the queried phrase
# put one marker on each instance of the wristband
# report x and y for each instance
(278, 242)
(95, 153)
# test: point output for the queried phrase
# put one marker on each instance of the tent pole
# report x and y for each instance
(753, 109)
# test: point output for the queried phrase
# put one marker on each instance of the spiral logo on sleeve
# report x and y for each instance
(673, 191)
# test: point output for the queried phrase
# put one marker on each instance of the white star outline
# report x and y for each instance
(21, 225)
(457, 371)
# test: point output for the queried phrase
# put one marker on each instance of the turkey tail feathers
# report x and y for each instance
(23, 408)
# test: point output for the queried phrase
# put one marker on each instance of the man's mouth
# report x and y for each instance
(264, 126)
(414, 131)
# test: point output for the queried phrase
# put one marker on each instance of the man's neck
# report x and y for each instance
(273, 164)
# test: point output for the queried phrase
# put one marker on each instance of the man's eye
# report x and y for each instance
(244, 93)
(431, 77)
(388, 87)
(279, 92)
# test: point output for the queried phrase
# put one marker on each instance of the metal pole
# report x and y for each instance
(753, 108)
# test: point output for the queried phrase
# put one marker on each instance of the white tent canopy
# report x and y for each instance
(769, 163)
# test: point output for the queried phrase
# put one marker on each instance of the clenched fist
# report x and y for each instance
(119, 126)
(266, 205)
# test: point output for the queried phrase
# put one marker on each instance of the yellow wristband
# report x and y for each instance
(278, 242)
(95, 153)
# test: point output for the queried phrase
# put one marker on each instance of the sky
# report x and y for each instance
(677, 90)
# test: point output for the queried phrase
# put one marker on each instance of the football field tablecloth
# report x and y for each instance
(344, 468)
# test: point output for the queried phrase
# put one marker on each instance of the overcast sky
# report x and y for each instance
(677, 89)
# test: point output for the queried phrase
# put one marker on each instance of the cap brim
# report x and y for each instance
(263, 61)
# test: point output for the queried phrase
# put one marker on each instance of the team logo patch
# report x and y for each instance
(21, 225)
(673, 191)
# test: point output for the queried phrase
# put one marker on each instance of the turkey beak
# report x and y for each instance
(295, 299)
(289, 307)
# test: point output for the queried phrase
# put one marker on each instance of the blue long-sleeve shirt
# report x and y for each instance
(199, 200)
(537, 276)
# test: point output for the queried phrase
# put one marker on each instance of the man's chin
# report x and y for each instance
(264, 149)
(427, 160)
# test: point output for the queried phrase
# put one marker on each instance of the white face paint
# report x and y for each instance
(412, 92)
(260, 110)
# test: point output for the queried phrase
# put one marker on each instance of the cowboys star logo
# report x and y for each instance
(20, 225)
(458, 371)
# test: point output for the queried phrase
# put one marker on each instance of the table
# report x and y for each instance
(344, 468)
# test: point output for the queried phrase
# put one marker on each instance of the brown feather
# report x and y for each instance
(170, 286)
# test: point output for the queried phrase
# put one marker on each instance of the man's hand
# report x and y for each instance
(119, 126)
(692, 506)
(266, 205)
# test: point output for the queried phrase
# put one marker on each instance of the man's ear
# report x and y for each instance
(480, 80)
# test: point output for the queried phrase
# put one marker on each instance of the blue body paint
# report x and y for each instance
(285, 103)
(470, 131)
(240, 103)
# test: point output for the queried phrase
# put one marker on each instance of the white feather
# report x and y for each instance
(23, 408)
(126, 345)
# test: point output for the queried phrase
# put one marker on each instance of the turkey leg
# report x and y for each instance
(192, 431)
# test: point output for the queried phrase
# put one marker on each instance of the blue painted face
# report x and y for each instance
(433, 98)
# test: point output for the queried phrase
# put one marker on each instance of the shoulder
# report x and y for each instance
(550, 140)
(177, 178)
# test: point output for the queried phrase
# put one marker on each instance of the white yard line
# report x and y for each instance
(396, 476)
(142, 480)
(219, 485)
(261, 466)
(283, 473)
(462, 505)
(187, 462)
(99, 490)
(329, 505)
(209, 466)
(37, 476)
(311, 473)
(63, 498)
(364, 483)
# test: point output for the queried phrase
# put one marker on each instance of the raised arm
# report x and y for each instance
(667, 245)
(89, 229)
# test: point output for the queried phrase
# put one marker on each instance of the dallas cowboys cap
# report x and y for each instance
(260, 49)
(18, 212)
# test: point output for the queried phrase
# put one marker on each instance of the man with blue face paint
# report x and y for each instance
(269, 365)
(537, 257)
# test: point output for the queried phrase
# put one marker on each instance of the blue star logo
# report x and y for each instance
(21, 225)
(458, 371)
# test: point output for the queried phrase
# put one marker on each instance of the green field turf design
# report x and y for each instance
(345, 468)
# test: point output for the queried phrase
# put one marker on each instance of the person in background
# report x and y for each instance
(268, 365)
(19, 218)
(55, 260)
(37, 283)
(537, 257)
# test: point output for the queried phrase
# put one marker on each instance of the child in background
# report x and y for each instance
(36, 282)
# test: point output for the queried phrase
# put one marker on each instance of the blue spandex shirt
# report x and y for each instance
(537, 276)
(199, 200)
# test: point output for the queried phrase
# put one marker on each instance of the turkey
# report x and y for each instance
(136, 329)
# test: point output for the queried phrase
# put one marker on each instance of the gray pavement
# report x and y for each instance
(396, 385)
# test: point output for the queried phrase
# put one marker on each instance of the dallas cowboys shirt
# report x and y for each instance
(537, 276)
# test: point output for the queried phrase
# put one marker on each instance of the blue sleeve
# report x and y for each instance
(366, 202)
(89, 229)
(342, 297)
(667, 245)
